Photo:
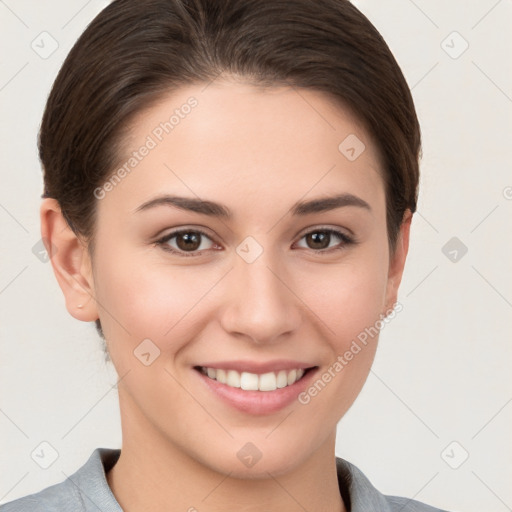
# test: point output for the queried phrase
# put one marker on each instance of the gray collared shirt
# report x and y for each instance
(87, 490)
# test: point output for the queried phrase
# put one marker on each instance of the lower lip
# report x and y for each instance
(258, 402)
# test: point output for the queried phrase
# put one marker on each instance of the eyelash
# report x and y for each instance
(345, 240)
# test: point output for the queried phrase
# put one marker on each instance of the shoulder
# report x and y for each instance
(364, 497)
(84, 491)
(56, 498)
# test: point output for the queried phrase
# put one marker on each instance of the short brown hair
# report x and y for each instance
(135, 51)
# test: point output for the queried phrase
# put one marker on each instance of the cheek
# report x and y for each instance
(349, 302)
(350, 297)
(140, 296)
(141, 299)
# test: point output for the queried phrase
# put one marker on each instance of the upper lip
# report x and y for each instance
(258, 367)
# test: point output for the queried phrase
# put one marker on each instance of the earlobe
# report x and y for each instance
(397, 261)
(70, 261)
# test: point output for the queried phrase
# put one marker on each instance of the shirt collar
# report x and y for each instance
(358, 494)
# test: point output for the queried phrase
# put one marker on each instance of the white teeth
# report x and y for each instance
(282, 379)
(268, 382)
(233, 379)
(254, 382)
(221, 376)
(249, 381)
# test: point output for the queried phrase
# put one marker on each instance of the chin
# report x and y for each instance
(255, 460)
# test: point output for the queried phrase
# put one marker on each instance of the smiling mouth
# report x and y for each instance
(247, 381)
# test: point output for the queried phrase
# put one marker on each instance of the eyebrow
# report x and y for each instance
(213, 209)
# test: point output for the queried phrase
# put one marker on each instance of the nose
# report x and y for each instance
(261, 303)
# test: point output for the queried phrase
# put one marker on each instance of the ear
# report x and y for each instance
(397, 261)
(70, 261)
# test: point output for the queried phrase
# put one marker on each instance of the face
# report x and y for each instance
(261, 279)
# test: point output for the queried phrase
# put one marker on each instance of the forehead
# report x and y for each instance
(228, 137)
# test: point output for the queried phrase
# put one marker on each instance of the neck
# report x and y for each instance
(152, 473)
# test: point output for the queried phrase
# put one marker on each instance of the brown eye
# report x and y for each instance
(186, 242)
(321, 239)
(189, 241)
(318, 239)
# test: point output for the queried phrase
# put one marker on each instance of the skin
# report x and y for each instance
(257, 152)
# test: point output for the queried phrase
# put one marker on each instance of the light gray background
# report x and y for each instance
(442, 371)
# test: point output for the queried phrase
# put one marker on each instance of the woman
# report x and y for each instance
(229, 188)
